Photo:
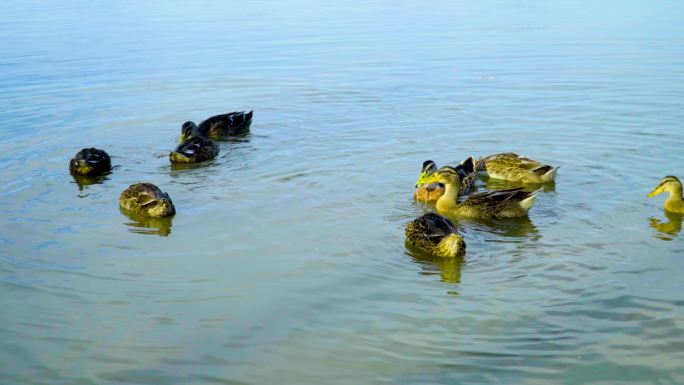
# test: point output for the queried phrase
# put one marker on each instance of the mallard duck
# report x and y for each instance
(230, 124)
(146, 199)
(672, 185)
(193, 146)
(432, 192)
(90, 162)
(512, 167)
(435, 234)
(493, 204)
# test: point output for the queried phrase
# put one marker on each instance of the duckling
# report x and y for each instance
(512, 167)
(193, 146)
(432, 192)
(147, 200)
(232, 123)
(493, 204)
(674, 203)
(90, 162)
(435, 234)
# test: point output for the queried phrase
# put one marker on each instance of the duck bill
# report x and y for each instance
(182, 138)
(420, 180)
(655, 192)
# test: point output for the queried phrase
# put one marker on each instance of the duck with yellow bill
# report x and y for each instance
(510, 203)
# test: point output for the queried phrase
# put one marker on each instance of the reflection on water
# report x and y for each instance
(672, 227)
(449, 269)
(509, 227)
(146, 225)
(191, 166)
(83, 181)
(522, 227)
(244, 138)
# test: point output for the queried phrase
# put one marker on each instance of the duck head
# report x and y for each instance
(429, 168)
(668, 184)
(445, 175)
(188, 130)
(162, 207)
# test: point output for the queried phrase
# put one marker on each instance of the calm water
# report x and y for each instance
(286, 261)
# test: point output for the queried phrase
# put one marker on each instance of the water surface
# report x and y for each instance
(286, 261)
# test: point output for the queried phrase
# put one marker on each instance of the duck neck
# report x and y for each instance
(449, 199)
(675, 198)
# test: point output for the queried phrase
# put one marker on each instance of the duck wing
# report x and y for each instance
(435, 226)
(193, 146)
(491, 198)
(226, 124)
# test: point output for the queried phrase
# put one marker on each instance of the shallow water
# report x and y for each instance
(286, 261)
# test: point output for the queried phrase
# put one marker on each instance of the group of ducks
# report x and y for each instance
(436, 234)
(448, 188)
(196, 144)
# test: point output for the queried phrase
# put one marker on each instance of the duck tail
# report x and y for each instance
(550, 175)
(469, 165)
(451, 246)
(527, 203)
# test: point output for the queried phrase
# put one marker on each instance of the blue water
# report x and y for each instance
(286, 260)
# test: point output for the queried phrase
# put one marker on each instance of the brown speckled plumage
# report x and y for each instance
(146, 199)
(435, 234)
(513, 167)
(495, 204)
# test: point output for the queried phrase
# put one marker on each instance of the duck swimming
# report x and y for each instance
(493, 204)
(219, 126)
(674, 202)
(90, 162)
(193, 147)
(435, 234)
(512, 167)
(147, 200)
(431, 192)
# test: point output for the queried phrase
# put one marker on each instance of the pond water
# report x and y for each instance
(285, 262)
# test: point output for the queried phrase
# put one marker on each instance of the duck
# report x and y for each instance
(510, 203)
(435, 234)
(429, 193)
(674, 202)
(147, 200)
(513, 167)
(219, 126)
(90, 162)
(193, 146)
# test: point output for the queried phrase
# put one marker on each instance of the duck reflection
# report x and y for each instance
(521, 227)
(146, 225)
(449, 269)
(190, 166)
(672, 227)
(83, 181)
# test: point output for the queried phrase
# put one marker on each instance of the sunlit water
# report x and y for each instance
(286, 261)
